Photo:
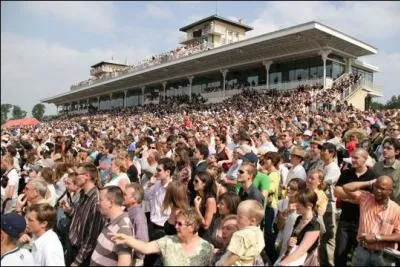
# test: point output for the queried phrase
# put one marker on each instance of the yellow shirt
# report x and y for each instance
(322, 201)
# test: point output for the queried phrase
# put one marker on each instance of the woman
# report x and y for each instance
(315, 181)
(120, 178)
(185, 248)
(176, 200)
(303, 244)
(205, 203)
(47, 174)
(270, 163)
(61, 173)
(183, 168)
(222, 152)
(287, 214)
(227, 205)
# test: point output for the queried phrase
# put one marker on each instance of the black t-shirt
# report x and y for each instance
(313, 225)
(251, 193)
(350, 211)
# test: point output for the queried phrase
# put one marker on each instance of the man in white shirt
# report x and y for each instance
(297, 171)
(12, 227)
(46, 246)
(155, 195)
(9, 192)
(331, 176)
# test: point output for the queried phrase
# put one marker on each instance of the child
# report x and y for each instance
(247, 243)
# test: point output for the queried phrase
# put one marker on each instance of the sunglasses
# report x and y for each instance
(241, 171)
(196, 181)
(158, 170)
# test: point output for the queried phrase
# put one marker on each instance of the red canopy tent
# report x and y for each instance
(21, 122)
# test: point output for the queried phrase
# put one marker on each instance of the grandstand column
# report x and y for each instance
(125, 93)
(224, 73)
(143, 87)
(190, 88)
(109, 103)
(57, 108)
(324, 54)
(267, 65)
(164, 84)
(348, 65)
(98, 102)
(87, 104)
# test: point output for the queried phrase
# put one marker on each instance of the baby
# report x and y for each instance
(247, 243)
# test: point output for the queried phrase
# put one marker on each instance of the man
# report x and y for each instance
(314, 160)
(46, 246)
(106, 252)
(105, 160)
(34, 193)
(265, 144)
(390, 166)
(375, 139)
(12, 227)
(349, 218)
(246, 174)
(287, 145)
(87, 222)
(9, 184)
(133, 197)
(297, 171)
(155, 194)
(331, 175)
(379, 226)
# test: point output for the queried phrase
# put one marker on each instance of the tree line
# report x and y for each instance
(18, 113)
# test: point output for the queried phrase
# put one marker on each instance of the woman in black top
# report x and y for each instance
(306, 232)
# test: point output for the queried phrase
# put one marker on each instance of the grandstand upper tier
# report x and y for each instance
(216, 61)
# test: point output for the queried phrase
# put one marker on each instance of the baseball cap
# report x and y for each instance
(13, 224)
(250, 157)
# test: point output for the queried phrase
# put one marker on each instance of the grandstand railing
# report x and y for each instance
(296, 84)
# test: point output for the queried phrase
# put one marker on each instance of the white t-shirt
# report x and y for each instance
(13, 179)
(53, 196)
(115, 181)
(18, 257)
(296, 172)
(47, 250)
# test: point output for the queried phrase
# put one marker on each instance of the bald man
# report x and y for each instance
(346, 234)
(379, 225)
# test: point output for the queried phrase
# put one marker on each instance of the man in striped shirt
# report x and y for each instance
(87, 222)
(379, 225)
(107, 253)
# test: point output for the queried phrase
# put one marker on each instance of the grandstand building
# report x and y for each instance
(217, 61)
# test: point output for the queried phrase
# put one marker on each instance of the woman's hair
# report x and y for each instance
(184, 159)
(191, 218)
(60, 170)
(231, 200)
(120, 163)
(307, 197)
(210, 187)
(214, 171)
(274, 157)
(298, 183)
(175, 196)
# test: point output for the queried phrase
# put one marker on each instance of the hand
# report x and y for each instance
(292, 242)
(21, 202)
(25, 238)
(65, 206)
(119, 238)
(197, 201)
(367, 238)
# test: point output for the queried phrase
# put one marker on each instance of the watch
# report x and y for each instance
(378, 237)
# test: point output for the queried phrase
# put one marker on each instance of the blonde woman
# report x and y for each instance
(119, 176)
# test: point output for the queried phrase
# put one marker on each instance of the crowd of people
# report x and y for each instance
(262, 178)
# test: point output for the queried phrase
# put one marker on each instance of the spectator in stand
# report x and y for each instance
(9, 184)
(176, 249)
(375, 232)
(349, 218)
(34, 193)
(106, 253)
(133, 196)
(228, 228)
(46, 247)
(314, 161)
(297, 169)
(12, 227)
(246, 175)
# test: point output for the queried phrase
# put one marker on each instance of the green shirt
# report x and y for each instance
(261, 181)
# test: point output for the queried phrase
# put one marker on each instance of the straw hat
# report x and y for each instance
(298, 151)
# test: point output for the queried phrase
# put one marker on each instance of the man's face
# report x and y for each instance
(243, 174)
(81, 177)
(389, 152)
(32, 223)
(315, 151)
(30, 192)
(161, 173)
(128, 196)
(382, 189)
(228, 228)
(358, 159)
(104, 203)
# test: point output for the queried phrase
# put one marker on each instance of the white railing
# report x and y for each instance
(296, 84)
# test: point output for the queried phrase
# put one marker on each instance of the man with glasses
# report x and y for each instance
(246, 174)
(87, 222)
(155, 194)
(390, 166)
(287, 145)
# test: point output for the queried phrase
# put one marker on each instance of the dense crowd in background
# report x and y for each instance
(263, 178)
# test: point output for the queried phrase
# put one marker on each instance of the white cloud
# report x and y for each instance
(366, 20)
(33, 69)
(94, 16)
(155, 11)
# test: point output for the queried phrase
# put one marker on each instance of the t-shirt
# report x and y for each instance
(17, 257)
(174, 255)
(350, 211)
(261, 181)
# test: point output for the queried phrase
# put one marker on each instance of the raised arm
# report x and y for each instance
(137, 245)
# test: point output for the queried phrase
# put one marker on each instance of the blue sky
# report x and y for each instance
(47, 46)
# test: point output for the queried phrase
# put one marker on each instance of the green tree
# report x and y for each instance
(38, 111)
(393, 103)
(18, 113)
(5, 109)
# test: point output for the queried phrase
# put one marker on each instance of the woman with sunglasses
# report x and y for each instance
(205, 203)
(287, 214)
(185, 248)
